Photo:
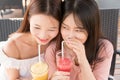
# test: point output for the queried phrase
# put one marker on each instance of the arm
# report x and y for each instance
(50, 59)
(101, 69)
(83, 71)
(11, 50)
(12, 73)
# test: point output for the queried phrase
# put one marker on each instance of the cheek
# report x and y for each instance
(82, 37)
(85, 39)
(54, 34)
(63, 33)
(33, 32)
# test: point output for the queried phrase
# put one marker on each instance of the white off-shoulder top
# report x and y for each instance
(8, 62)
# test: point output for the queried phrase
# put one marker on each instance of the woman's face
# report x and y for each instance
(43, 28)
(70, 30)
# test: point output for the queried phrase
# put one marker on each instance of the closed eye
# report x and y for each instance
(37, 27)
(78, 30)
(51, 30)
(64, 27)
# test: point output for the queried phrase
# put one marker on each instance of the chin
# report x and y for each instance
(44, 43)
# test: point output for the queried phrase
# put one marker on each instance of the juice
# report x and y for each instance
(39, 71)
(64, 64)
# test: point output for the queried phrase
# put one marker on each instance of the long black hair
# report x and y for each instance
(87, 12)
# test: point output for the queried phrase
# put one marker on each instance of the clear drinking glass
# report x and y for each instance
(39, 71)
(63, 63)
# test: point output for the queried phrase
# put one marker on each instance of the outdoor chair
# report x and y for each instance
(8, 26)
(109, 22)
(10, 4)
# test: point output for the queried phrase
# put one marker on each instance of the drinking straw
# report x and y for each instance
(39, 52)
(62, 49)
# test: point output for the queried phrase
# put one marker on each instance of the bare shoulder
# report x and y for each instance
(11, 48)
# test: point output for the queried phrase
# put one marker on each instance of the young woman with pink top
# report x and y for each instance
(89, 51)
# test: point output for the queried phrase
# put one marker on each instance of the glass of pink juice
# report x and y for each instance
(63, 63)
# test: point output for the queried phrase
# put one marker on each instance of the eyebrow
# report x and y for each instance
(65, 24)
(68, 25)
(75, 27)
(49, 27)
(37, 25)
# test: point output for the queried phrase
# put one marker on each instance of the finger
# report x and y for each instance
(76, 44)
(76, 47)
(62, 73)
(71, 44)
(61, 78)
(74, 40)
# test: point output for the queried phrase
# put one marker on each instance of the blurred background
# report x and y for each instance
(16, 9)
(13, 8)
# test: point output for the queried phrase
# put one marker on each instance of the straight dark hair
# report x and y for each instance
(87, 12)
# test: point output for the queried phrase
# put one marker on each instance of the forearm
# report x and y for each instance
(86, 71)
(19, 79)
(23, 79)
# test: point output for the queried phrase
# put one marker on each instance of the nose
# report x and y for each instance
(70, 35)
(42, 34)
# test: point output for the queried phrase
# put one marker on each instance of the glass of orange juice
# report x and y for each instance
(39, 71)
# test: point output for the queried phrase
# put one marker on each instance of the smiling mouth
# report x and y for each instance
(43, 40)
